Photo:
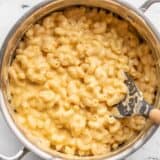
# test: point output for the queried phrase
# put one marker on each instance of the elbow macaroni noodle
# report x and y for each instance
(68, 74)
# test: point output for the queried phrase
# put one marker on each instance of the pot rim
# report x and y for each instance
(8, 118)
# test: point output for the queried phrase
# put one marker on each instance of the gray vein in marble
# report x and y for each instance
(23, 6)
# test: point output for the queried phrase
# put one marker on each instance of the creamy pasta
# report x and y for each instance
(67, 76)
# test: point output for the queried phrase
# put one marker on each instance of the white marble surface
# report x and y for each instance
(10, 11)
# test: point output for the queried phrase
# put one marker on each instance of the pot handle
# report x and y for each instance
(147, 4)
(21, 153)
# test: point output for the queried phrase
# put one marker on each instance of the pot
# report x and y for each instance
(135, 16)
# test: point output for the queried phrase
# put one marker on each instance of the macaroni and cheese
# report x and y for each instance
(68, 74)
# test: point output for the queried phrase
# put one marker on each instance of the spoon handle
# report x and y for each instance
(154, 115)
(149, 111)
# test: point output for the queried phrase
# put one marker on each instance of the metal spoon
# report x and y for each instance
(134, 103)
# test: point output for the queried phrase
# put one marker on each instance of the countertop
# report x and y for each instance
(10, 12)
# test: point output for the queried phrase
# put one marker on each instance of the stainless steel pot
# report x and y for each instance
(135, 16)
